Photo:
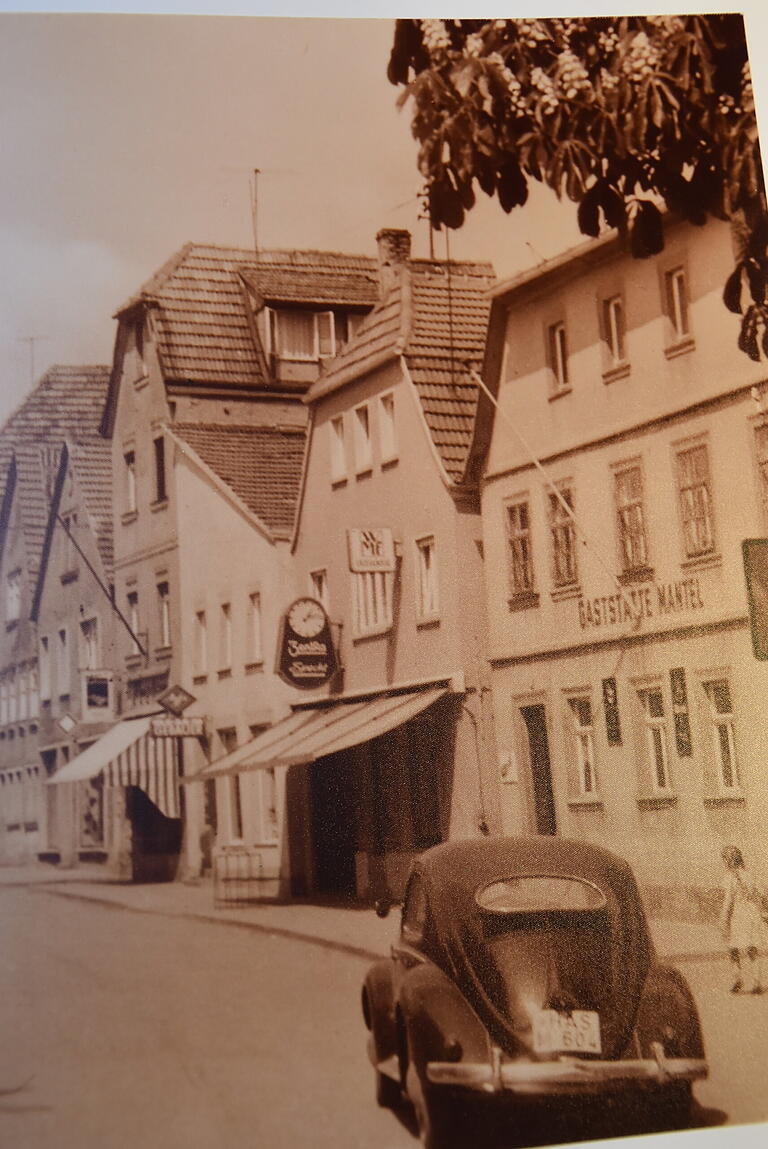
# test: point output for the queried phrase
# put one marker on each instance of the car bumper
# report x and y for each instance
(570, 1076)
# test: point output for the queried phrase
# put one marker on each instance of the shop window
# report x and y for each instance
(723, 737)
(427, 589)
(387, 433)
(583, 744)
(520, 551)
(557, 358)
(362, 439)
(630, 520)
(338, 450)
(656, 739)
(695, 495)
(563, 534)
(371, 602)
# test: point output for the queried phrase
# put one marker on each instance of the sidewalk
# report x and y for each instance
(352, 930)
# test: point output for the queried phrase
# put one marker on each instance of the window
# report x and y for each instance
(557, 353)
(427, 597)
(630, 520)
(563, 531)
(44, 660)
(62, 663)
(581, 712)
(302, 335)
(225, 636)
(371, 602)
(721, 716)
(161, 492)
(4, 702)
(362, 432)
(387, 437)
(132, 599)
(677, 303)
(23, 694)
(12, 697)
(90, 637)
(338, 451)
(164, 613)
(201, 643)
(319, 584)
(695, 501)
(520, 551)
(268, 831)
(614, 330)
(655, 720)
(761, 448)
(13, 596)
(34, 693)
(255, 637)
(129, 458)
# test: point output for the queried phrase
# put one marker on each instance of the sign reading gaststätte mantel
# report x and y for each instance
(650, 600)
(305, 652)
(371, 549)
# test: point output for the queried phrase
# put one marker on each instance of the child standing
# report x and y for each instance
(741, 922)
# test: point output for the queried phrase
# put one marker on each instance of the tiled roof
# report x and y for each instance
(66, 405)
(436, 316)
(262, 465)
(200, 309)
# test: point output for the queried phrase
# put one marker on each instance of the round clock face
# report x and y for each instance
(306, 617)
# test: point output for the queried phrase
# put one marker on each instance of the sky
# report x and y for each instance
(124, 137)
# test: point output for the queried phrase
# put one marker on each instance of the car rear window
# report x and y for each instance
(539, 893)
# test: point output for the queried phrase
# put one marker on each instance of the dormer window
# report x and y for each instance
(301, 335)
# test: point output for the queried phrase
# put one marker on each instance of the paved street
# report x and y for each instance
(155, 1028)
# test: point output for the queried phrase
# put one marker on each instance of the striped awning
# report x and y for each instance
(315, 732)
(128, 755)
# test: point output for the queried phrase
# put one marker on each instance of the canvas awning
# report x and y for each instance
(314, 732)
(129, 755)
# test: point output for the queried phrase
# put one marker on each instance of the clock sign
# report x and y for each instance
(305, 653)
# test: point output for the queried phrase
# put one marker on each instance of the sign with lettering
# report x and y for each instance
(371, 549)
(306, 656)
(177, 727)
(651, 600)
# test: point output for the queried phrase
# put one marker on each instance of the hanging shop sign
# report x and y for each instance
(175, 727)
(305, 652)
(651, 600)
(371, 549)
(176, 700)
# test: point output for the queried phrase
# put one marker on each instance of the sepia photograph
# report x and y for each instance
(383, 580)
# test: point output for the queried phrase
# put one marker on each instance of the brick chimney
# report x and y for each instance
(394, 252)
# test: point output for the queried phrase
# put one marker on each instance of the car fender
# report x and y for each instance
(437, 1022)
(379, 1010)
(667, 1014)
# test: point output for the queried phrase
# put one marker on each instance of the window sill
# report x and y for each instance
(389, 462)
(340, 482)
(559, 393)
(226, 673)
(657, 801)
(637, 574)
(737, 798)
(140, 382)
(69, 576)
(254, 668)
(199, 679)
(158, 505)
(163, 653)
(429, 622)
(586, 802)
(129, 517)
(364, 472)
(133, 660)
(561, 593)
(681, 347)
(368, 634)
(526, 600)
(618, 371)
(702, 562)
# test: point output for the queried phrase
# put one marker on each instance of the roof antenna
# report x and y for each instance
(254, 208)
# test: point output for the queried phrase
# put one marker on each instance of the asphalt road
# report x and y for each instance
(120, 1030)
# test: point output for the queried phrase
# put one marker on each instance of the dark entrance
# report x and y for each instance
(332, 805)
(535, 718)
(156, 839)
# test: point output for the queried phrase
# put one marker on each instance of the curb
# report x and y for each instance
(274, 931)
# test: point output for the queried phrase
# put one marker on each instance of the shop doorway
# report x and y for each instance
(332, 806)
(535, 718)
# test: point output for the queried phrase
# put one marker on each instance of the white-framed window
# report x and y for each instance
(630, 518)
(13, 702)
(13, 596)
(23, 694)
(4, 711)
(91, 657)
(200, 645)
(676, 291)
(164, 613)
(563, 536)
(225, 636)
(427, 590)
(583, 744)
(371, 602)
(519, 547)
(44, 663)
(318, 581)
(34, 693)
(718, 694)
(301, 335)
(362, 439)
(62, 661)
(695, 495)
(387, 432)
(255, 629)
(614, 330)
(129, 460)
(557, 356)
(268, 812)
(338, 450)
(134, 620)
(656, 738)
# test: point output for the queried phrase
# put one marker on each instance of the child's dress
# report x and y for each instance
(741, 919)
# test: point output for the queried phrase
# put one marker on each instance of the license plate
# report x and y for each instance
(576, 1032)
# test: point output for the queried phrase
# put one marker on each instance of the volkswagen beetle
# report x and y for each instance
(523, 977)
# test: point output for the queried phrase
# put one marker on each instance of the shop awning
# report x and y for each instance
(129, 755)
(314, 732)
